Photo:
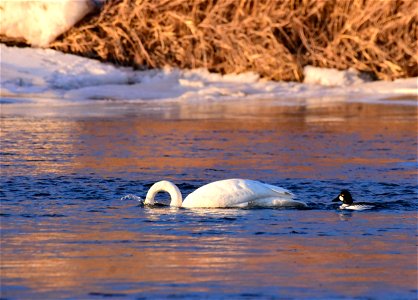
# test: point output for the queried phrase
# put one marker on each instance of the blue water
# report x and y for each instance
(66, 233)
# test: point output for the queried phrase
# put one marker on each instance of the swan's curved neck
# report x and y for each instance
(165, 186)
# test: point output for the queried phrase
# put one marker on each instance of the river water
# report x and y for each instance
(66, 233)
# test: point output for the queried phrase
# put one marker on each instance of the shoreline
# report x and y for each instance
(36, 74)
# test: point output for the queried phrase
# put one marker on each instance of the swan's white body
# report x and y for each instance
(227, 193)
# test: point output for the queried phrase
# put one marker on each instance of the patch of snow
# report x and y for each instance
(36, 74)
(332, 77)
(40, 22)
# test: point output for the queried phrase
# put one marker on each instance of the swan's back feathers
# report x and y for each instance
(234, 193)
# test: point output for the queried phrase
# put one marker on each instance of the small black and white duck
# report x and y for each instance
(348, 202)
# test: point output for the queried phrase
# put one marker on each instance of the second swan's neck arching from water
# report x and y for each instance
(165, 186)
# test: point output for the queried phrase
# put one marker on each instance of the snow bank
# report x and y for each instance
(40, 22)
(39, 74)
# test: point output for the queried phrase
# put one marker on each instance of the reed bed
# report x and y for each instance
(270, 37)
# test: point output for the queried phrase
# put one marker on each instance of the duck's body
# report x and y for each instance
(348, 202)
(356, 206)
(227, 193)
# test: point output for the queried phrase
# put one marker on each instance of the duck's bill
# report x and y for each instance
(337, 199)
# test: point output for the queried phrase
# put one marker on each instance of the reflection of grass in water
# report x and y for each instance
(272, 38)
(402, 97)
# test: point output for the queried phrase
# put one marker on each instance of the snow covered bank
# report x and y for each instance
(39, 75)
(40, 22)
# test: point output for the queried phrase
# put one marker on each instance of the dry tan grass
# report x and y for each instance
(271, 37)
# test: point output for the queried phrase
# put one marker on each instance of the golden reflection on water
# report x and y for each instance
(47, 261)
(294, 141)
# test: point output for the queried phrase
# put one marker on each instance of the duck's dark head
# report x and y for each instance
(345, 197)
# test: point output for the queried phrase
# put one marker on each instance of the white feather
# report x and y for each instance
(356, 207)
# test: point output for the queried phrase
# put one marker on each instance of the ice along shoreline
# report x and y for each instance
(39, 75)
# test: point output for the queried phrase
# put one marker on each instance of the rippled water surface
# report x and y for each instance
(66, 233)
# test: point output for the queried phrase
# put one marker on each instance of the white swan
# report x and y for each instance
(226, 193)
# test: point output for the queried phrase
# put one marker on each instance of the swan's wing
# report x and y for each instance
(233, 193)
(277, 202)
